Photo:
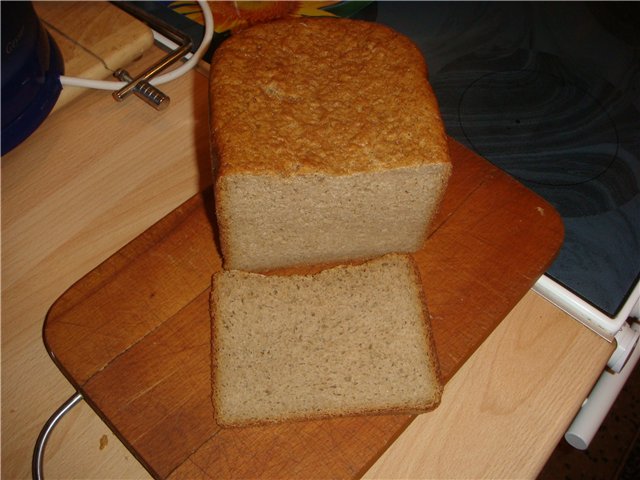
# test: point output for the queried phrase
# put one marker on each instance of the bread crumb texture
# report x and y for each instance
(348, 340)
(334, 96)
(268, 222)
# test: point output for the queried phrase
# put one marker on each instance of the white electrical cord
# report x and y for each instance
(160, 79)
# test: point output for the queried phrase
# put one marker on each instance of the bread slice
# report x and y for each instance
(329, 144)
(350, 340)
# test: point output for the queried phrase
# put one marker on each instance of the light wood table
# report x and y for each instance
(97, 173)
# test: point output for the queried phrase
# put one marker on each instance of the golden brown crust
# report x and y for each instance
(223, 222)
(330, 96)
(213, 300)
(428, 330)
(302, 418)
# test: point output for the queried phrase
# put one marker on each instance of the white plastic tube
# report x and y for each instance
(596, 407)
(160, 79)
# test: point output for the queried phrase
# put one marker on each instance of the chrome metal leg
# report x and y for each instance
(38, 452)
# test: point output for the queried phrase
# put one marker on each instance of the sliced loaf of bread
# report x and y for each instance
(350, 340)
(329, 144)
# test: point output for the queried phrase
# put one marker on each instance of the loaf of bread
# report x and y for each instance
(328, 142)
(350, 340)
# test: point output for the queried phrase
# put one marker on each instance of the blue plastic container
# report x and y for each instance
(31, 69)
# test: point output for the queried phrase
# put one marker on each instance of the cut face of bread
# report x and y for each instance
(312, 219)
(350, 340)
(329, 143)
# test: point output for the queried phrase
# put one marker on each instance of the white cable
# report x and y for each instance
(160, 79)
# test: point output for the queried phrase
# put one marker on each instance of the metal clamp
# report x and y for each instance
(143, 90)
(139, 85)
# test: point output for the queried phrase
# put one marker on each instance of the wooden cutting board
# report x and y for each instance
(133, 336)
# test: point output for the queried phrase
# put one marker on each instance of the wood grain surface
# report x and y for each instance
(466, 439)
(134, 334)
(94, 176)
